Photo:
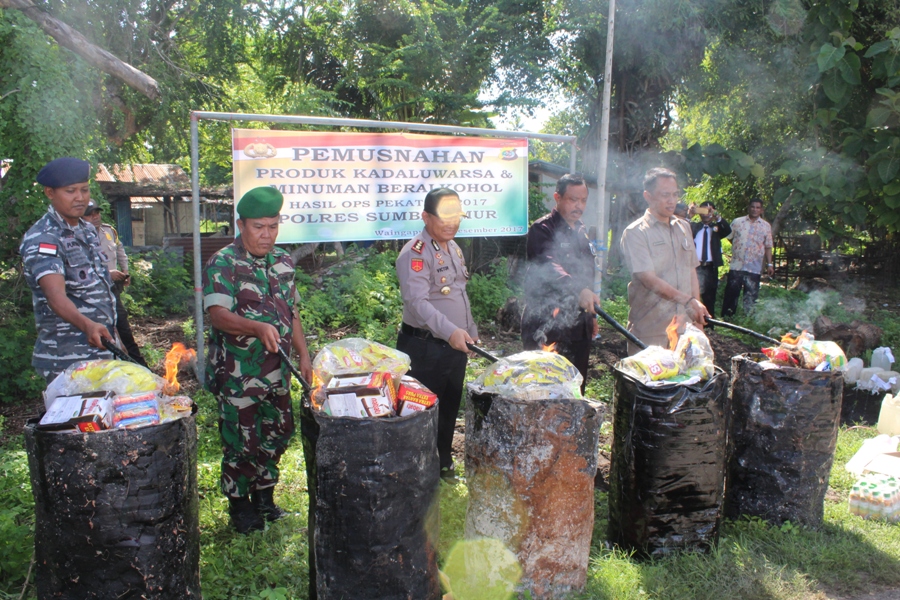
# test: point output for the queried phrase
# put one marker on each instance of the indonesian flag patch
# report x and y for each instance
(417, 264)
(48, 249)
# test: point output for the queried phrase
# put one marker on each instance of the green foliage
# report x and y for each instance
(361, 293)
(536, 205)
(18, 380)
(16, 516)
(160, 284)
(489, 292)
(42, 116)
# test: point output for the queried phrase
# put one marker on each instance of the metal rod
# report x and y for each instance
(117, 352)
(481, 352)
(198, 266)
(287, 361)
(335, 122)
(743, 330)
(618, 327)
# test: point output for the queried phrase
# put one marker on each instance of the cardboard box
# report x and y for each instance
(361, 395)
(86, 412)
(414, 397)
(886, 464)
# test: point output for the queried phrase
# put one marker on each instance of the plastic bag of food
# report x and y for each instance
(694, 355)
(532, 375)
(828, 352)
(780, 356)
(108, 375)
(174, 407)
(356, 355)
(651, 364)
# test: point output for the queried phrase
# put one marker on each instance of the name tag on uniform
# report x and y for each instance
(442, 269)
(659, 243)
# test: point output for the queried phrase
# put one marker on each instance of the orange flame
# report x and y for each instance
(317, 395)
(177, 356)
(793, 340)
(555, 312)
(551, 347)
(672, 333)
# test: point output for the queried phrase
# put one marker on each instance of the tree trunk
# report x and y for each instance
(67, 37)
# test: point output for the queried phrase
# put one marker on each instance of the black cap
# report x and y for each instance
(64, 171)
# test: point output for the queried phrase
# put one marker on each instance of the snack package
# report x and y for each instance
(654, 363)
(356, 355)
(108, 375)
(174, 407)
(532, 375)
(694, 355)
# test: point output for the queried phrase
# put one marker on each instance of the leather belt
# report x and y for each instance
(422, 334)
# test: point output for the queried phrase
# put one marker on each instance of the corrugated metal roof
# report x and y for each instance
(146, 174)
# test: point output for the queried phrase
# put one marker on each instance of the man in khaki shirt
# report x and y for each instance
(659, 251)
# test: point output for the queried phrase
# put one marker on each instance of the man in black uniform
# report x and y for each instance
(437, 318)
(708, 235)
(559, 297)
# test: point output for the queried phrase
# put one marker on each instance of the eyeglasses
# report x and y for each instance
(677, 196)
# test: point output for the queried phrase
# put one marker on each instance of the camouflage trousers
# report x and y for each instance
(255, 432)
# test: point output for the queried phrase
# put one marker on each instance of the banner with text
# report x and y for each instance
(371, 186)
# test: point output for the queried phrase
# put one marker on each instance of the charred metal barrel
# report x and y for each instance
(530, 467)
(667, 471)
(783, 432)
(116, 512)
(374, 518)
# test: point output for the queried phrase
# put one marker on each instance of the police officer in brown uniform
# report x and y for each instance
(437, 319)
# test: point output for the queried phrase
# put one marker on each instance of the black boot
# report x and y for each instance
(264, 502)
(244, 517)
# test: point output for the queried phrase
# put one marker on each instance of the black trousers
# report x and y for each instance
(737, 281)
(708, 277)
(442, 370)
(123, 327)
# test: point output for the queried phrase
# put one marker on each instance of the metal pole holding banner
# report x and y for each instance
(198, 267)
(602, 238)
(326, 122)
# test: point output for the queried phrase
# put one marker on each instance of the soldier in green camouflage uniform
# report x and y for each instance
(249, 291)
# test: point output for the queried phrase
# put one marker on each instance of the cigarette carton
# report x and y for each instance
(413, 397)
(86, 412)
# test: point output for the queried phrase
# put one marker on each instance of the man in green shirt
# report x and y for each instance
(249, 292)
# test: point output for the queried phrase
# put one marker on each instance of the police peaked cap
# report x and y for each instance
(64, 171)
(260, 203)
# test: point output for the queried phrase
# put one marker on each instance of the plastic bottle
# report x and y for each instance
(852, 370)
(889, 417)
(855, 500)
(882, 358)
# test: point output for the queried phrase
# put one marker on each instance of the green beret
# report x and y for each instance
(260, 203)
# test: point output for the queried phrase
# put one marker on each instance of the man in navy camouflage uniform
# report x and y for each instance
(74, 304)
(249, 291)
(437, 318)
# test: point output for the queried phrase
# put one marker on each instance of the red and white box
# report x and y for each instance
(85, 412)
(413, 397)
